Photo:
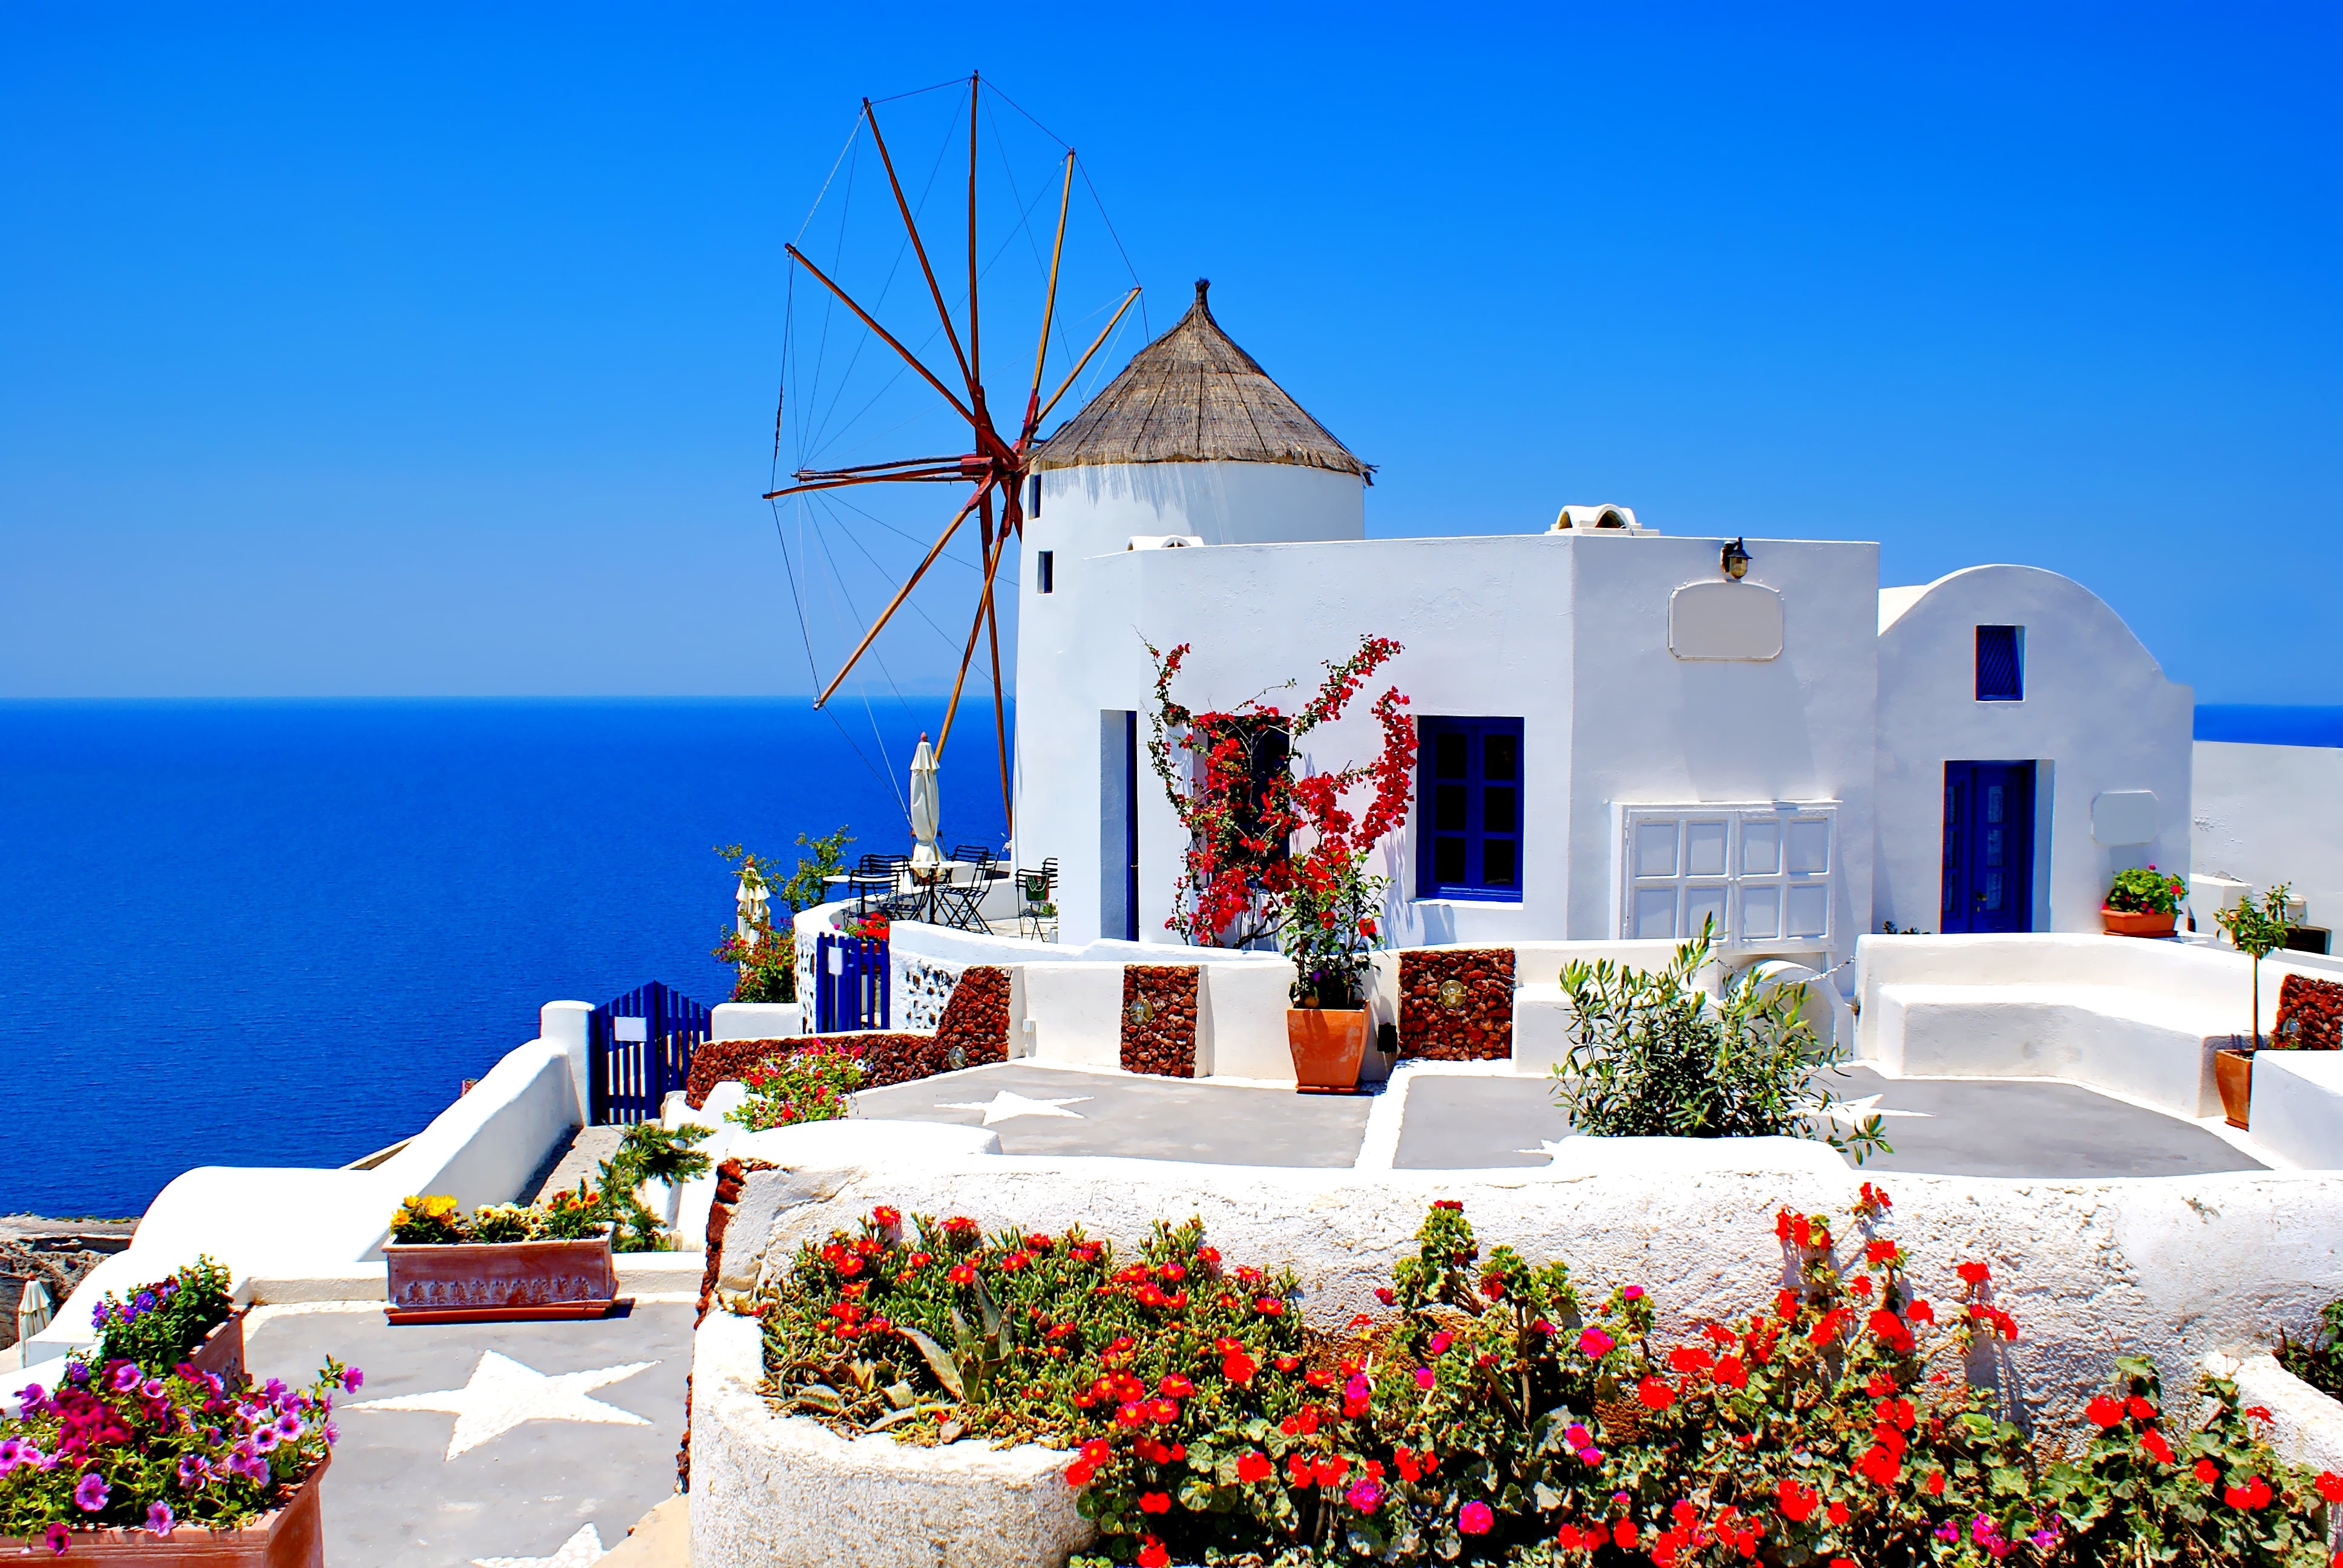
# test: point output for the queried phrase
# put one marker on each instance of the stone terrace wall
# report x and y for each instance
(1456, 1004)
(974, 1030)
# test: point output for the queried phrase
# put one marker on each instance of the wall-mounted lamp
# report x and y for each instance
(1734, 560)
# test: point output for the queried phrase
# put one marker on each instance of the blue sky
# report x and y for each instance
(433, 350)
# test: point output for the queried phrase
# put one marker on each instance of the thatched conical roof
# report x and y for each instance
(1195, 396)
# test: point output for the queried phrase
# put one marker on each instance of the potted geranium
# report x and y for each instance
(505, 1262)
(1329, 933)
(119, 1464)
(2143, 903)
(189, 1318)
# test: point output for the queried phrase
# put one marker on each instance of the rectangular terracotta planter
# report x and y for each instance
(2233, 1075)
(293, 1536)
(222, 1350)
(501, 1282)
(1327, 1044)
(2135, 922)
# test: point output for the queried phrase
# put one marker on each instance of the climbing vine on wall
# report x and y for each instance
(1243, 877)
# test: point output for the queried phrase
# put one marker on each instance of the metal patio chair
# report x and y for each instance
(1035, 891)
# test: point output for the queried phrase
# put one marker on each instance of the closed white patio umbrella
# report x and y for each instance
(926, 809)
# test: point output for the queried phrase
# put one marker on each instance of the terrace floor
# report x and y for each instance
(489, 1445)
(1467, 1120)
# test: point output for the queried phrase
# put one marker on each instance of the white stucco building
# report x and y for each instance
(1618, 737)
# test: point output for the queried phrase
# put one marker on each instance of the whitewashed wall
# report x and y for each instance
(2097, 714)
(2267, 814)
(1096, 510)
(1568, 632)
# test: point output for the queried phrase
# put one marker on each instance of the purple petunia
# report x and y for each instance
(125, 1377)
(153, 1388)
(97, 1316)
(192, 1471)
(160, 1519)
(1425, 1377)
(353, 1380)
(274, 1390)
(30, 1399)
(146, 1300)
(289, 1426)
(264, 1438)
(58, 1539)
(91, 1495)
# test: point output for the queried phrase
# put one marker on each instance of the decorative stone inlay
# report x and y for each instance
(2315, 1008)
(1159, 1019)
(1456, 1004)
(923, 988)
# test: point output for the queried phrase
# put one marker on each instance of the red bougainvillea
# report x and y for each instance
(1243, 878)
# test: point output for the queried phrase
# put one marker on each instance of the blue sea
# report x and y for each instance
(259, 933)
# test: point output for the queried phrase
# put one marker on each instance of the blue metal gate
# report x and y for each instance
(638, 1050)
(850, 983)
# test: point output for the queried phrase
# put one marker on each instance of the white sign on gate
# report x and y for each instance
(629, 1029)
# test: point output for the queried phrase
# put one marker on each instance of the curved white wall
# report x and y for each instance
(1094, 511)
(2097, 714)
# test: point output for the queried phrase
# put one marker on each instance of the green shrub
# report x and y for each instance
(2319, 1360)
(1652, 1056)
(1499, 1414)
(158, 1325)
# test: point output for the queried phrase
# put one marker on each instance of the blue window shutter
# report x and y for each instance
(2000, 663)
(1469, 788)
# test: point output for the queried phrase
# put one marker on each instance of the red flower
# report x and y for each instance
(1920, 1312)
(1836, 1513)
(1255, 1466)
(2156, 1448)
(1238, 1367)
(1655, 1394)
(2140, 1409)
(1154, 1502)
(2330, 1486)
(1270, 1307)
(1937, 1483)
(1078, 1473)
(1624, 1534)
(1175, 1386)
(2103, 1412)
(959, 1273)
(1153, 1555)
(885, 1217)
(1797, 1502)
(2208, 1472)
(1975, 1273)
(1732, 1373)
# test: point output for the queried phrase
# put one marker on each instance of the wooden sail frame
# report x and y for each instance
(996, 465)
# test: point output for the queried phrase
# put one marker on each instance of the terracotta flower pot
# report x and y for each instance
(222, 1350)
(2135, 922)
(293, 1536)
(500, 1281)
(2233, 1073)
(1326, 1043)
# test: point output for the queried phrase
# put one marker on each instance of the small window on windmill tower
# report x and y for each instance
(1045, 571)
(2001, 664)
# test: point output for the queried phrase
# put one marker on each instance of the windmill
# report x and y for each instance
(991, 470)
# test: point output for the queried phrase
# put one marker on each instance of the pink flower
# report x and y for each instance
(1441, 1341)
(1475, 1518)
(1366, 1495)
(1425, 1377)
(1594, 1344)
(91, 1495)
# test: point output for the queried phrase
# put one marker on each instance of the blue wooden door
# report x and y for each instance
(638, 1050)
(1989, 868)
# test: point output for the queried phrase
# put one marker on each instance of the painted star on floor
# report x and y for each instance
(1007, 1103)
(578, 1552)
(503, 1393)
(1856, 1112)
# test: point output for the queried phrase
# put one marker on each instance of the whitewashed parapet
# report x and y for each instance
(771, 1491)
